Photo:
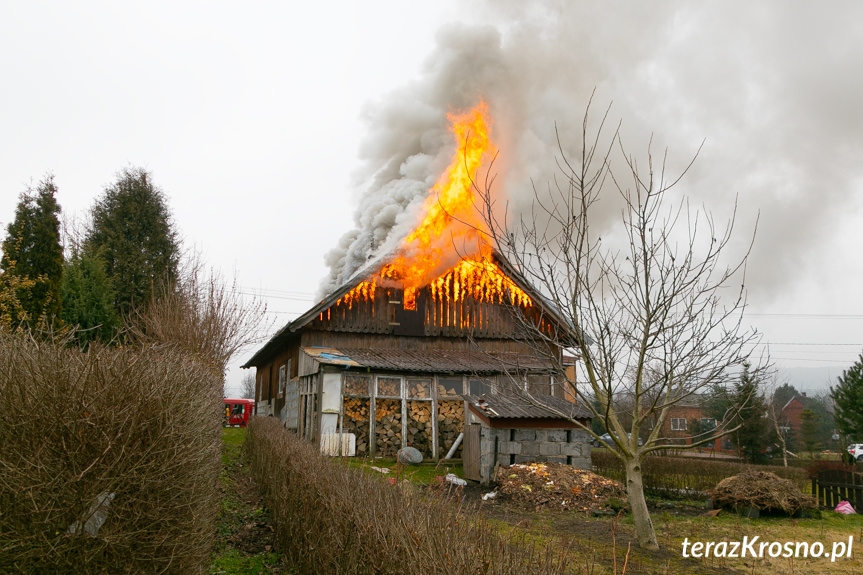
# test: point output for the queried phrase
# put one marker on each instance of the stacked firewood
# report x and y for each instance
(444, 393)
(450, 420)
(419, 389)
(388, 426)
(357, 422)
(420, 426)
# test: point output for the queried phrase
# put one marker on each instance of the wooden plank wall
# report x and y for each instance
(441, 316)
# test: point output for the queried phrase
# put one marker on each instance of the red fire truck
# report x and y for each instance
(238, 412)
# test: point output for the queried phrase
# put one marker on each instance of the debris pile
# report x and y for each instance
(761, 490)
(555, 486)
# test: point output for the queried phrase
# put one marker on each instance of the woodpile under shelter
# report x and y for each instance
(377, 366)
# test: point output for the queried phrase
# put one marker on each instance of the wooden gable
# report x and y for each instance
(443, 308)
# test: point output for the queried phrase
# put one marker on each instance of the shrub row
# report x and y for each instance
(332, 519)
(685, 477)
(109, 459)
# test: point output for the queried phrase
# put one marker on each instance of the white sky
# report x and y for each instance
(250, 116)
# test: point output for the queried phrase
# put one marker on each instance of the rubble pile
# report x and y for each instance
(555, 486)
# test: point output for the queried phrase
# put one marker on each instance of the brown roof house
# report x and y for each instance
(365, 372)
(385, 360)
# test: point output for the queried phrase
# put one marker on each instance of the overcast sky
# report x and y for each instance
(283, 134)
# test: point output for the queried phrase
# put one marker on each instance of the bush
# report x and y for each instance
(685, 477)
(127, 436)
(330, 518)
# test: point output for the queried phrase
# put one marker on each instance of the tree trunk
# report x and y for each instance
(640, 515)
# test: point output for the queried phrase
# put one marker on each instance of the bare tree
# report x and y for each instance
(779, 419)
(201, 313)
(247, 386)
(656, 319)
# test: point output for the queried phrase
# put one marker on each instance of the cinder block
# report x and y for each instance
(556, 435)
(580, 462)
(549, 448)
(509, 447)
(574, 449)
(561, 460)
(524, 458)
(529, 448)
(525, 435)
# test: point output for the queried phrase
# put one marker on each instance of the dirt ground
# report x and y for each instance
(245, 543)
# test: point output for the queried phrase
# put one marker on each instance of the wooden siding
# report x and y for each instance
(385, 314)
(317, 338)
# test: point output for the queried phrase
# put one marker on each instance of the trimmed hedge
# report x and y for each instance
(109, 459)
(332, 519)
(686, 477)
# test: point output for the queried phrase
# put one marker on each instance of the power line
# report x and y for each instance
(804, 315)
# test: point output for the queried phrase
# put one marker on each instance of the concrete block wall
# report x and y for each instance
(507, 446)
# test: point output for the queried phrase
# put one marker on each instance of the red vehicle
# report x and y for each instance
(238, 412)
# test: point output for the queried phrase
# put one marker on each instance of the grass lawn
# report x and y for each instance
(422, 474)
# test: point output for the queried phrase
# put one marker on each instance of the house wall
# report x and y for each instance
(689, 413)
(793, 410)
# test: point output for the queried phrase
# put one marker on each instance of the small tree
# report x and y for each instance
(88, 299)
(753, 434)
(783, 432)
(848, 399)
(649, 315)
(810, 424)
(32, 252)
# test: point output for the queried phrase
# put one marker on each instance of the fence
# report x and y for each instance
(831, 486)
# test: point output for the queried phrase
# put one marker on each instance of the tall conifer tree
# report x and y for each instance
(848, 399)
(132, 232)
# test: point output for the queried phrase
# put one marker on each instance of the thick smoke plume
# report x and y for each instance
(772, 89)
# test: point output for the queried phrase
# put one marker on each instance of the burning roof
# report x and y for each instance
(447, 257)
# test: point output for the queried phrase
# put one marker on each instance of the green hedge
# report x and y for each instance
(109, 460)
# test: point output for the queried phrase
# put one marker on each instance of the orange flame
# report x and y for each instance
(451, 227)
(449, 208)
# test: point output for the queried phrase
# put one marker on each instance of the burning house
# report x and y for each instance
(385, 360)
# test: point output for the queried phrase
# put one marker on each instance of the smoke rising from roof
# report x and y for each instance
(774, 89)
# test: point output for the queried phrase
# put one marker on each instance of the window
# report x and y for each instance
(389, 386)
(356, 385)
(479, 386)
(708, 423)
(678, 424)
(539, 384)
(449, 387)
(282, 379)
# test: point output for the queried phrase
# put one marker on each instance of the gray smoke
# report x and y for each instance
(773, 87)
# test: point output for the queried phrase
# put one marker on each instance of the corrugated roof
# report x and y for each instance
(497, 406)
(429, 361)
